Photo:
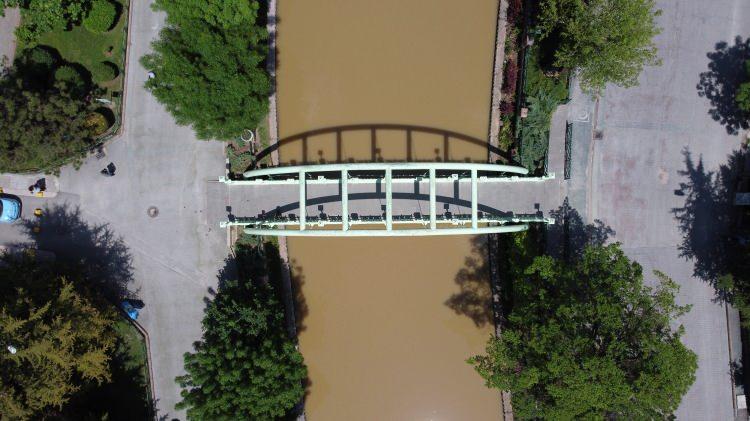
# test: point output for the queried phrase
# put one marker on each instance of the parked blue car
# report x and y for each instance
(10, 209)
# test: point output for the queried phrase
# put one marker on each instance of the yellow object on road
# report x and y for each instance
(38, 212)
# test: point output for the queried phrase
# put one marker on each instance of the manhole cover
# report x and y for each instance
(153, 211)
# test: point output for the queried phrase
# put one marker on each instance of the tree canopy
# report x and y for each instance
(101, 17)
(209, 65)
(608, 41)
(245, 366)
(588, 340)
(61, 337)
(742, 96)
(41, 126)
(40, 16)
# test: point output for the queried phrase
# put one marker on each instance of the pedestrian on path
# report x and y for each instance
(109, 170)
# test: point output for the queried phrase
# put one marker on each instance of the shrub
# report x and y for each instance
(535, 129)
(514, 11)
(101, 17)
(506, 108)
(70, 76)
(97, 123)
(505, 137)
(41, 16)
(42, 57)
(103, 71)
(510, 78)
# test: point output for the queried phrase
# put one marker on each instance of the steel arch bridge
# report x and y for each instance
(387, 223)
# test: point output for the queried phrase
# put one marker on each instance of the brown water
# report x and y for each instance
(389, 323)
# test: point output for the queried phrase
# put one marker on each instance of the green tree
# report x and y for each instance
(36, 68)
(245, 366)
(40, 16)
(62, 340)
(209, 65)
(101, 17)
(40, 129)
(587, 340)
(743, 92)
(608, 41)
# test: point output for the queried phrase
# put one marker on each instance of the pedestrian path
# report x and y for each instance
(35, 185)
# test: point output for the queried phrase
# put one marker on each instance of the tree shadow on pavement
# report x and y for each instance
(104, 257)
(565, 239)
(474, 299)
(569, 235)
(707, 216)
(720, 83)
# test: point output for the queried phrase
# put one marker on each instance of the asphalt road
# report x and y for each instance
(652, 134)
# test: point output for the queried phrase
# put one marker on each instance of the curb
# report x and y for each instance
(147, 343)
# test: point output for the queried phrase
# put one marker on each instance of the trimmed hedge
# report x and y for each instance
(101, 17)
(97, 123)
(70, 75)
(103, 72)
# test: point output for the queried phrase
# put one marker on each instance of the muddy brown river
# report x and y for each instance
(387, 323)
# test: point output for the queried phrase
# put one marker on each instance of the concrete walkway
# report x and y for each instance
(8, 25)
(640, 163)
(18, 184)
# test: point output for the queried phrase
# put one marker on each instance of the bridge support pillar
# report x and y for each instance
(433, 208)
(388, 199)
(474, 200)
(302, 201)
(345, 200)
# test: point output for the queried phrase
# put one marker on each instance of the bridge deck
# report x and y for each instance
(375, 198)
(497, 199)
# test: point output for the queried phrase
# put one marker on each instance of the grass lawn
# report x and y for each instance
(128, 396)
(87, 48)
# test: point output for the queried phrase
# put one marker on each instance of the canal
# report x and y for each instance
(386, 324)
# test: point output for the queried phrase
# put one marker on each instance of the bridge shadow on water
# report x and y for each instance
(451, 146)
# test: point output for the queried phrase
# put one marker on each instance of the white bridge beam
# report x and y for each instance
(384, 172)
(385, 233)
(345, 200)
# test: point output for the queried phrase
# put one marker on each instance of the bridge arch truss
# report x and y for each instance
(386, 224)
